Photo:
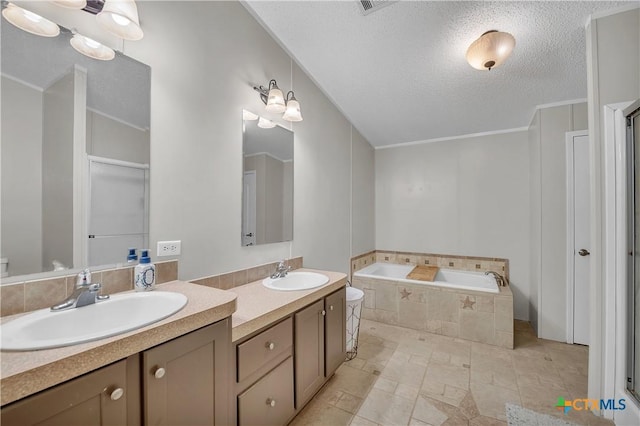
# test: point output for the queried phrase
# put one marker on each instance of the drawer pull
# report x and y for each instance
(159, 373)
(116, 394)
(331, 308)
(270, 345)
(323, 312)
(271, 402)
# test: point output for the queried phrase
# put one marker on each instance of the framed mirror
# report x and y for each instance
(267, 181)
(75, 156)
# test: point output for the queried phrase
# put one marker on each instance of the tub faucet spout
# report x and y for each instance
(501, 280)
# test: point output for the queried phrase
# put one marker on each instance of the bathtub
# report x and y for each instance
(448, 278)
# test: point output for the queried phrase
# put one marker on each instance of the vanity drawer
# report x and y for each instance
(270, 400)
(265, 347)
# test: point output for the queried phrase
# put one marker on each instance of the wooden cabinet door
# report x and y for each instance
(186, 381)
(335, 331)
(97, 398)
(309, 351)
(270, 400)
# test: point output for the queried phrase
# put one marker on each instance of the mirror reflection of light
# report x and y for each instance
(31, 16)
(91, 43)
(263, 123)
(120, 20)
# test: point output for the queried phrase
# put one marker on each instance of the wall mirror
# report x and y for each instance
(75, 156)
(267, 196)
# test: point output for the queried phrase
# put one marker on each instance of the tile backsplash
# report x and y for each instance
(30, 295)
(244, 276)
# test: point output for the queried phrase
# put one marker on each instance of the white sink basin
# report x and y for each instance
(296, 281)
(44, 329)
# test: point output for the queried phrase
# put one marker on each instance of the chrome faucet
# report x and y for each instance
(281, 270)
(84, 294)
(501, 280)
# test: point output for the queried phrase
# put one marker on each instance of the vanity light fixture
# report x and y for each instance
(276, 102)
(293, 108)
(263, 123)
(91, 48)
(490, 50)
(71, 4)
(120, 17)
(29, 21)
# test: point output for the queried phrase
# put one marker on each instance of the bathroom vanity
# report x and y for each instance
(202, 365)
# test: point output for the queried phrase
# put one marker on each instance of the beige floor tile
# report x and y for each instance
(356, 363)
(386, 385)
(361, 421)
(407, 391)
(444, 393)
(374, 352)
(426, 412)
(448, 374)
(348, 403)
(491, 399)
(486, 421)
(351, 380)
(321, 413)
(416, 422)
(385, 408)
(404, 372)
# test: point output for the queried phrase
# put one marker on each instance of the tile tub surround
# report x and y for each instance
(28, 372)
(26, 296)
(464, 263)
(229, 280)
(465, 314)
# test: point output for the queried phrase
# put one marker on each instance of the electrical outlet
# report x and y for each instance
(169, 248)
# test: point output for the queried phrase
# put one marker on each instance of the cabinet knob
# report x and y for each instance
(116, 394)
(323, 312)
(270, 345)
(271, 402)
(331, 307)
(159, 373)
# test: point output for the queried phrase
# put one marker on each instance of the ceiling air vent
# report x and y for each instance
(370, 6)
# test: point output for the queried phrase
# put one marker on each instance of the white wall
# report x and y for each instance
(21, 177)
(114, 139)
(57, 172)
(463, 197)
(613, 67)
(205, 57)
(548, 197)
(363, 196)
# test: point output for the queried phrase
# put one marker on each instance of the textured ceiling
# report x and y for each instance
(400, 75)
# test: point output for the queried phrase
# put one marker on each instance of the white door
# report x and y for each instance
(249, 208)
(579, 236)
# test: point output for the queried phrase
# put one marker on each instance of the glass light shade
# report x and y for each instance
(490, 50)
(120, 18)
(248, 115)
(91, 48)
(293, 111)
(71, 4)
(263, 123)
(275, 101)
(30, 22)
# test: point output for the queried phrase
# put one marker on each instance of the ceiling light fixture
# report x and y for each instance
(276, 102)
(120, 17)
(248, 115)
(91, 48)
(71, 4)
(30, 22)
(490, 50)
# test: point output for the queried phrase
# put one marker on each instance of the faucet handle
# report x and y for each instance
(84, 278)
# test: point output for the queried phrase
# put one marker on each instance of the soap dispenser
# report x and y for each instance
(132, 257)
(145, 273)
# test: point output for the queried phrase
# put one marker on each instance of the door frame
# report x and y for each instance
(570, 249)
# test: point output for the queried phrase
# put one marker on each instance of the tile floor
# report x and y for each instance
(407, 377)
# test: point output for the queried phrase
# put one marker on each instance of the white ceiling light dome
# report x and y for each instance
(91, 48)
(120, 17)
(490, 50)
(30, 22)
